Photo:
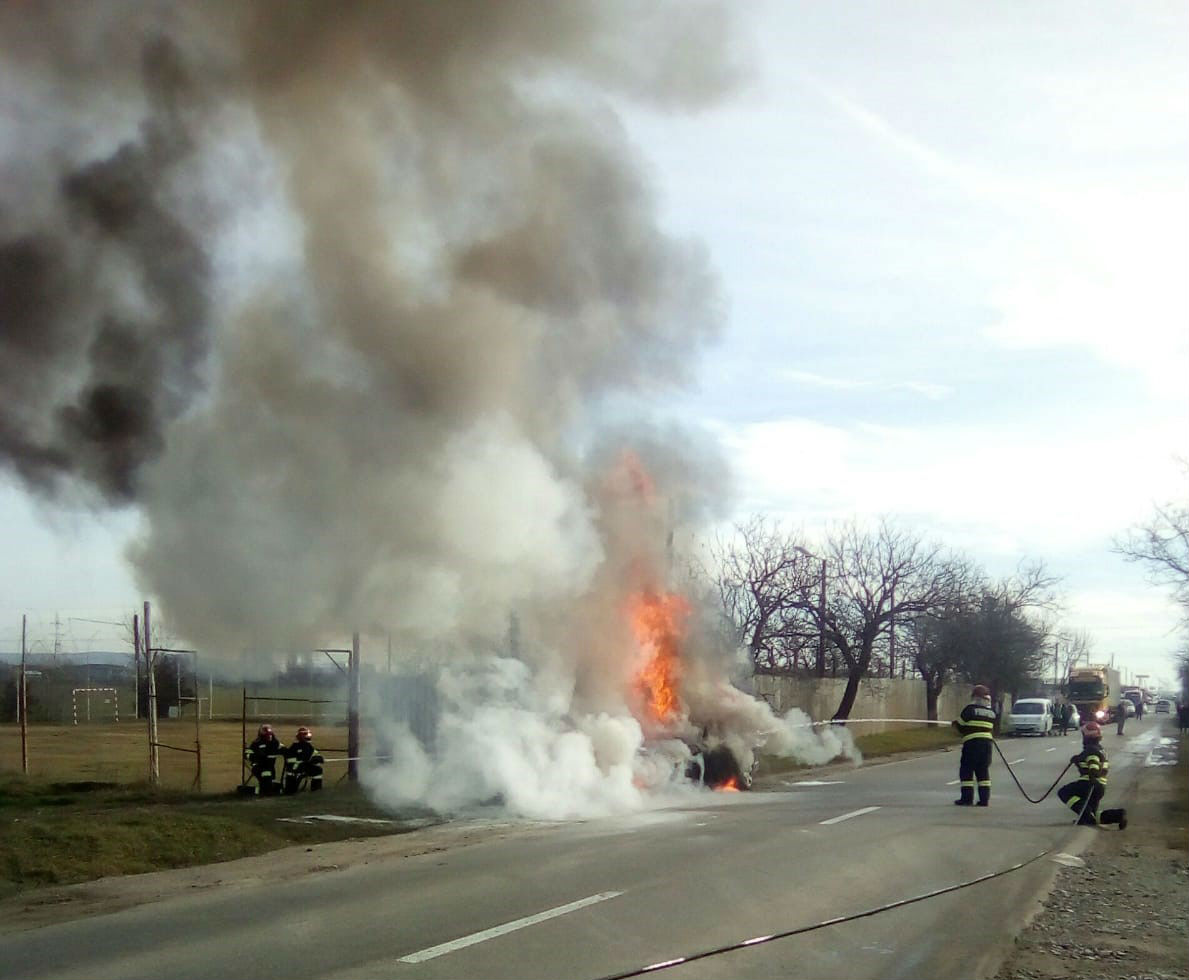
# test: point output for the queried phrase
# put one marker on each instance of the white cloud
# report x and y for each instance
(929, 390)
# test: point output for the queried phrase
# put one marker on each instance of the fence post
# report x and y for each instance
(353, 711)
(23, 705)
(243, 724)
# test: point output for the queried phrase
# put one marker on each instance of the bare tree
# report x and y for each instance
(1078, 645)
(877, 578)
(762, 576)
(1163, 546)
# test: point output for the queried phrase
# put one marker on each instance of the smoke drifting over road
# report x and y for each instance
(341, 296)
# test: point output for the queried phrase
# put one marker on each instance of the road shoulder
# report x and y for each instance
(1126, 913)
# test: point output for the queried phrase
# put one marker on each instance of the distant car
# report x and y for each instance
(1128, 707)
(1031, 716)
(1163, 707)
(1075, 719)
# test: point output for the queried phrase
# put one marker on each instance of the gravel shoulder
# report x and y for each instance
(1125, 915)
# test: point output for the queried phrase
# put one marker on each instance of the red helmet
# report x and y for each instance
(1091, 730)
(304, 734)
(980, 691)
(265, 731)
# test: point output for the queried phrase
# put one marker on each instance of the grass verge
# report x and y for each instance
(62, 833)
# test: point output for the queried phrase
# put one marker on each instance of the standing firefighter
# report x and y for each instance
(1084, 794)
(262, 756)
(976, 724)
(302, 762)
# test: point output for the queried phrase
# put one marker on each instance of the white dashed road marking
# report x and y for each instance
(847, 816)
(529, 920)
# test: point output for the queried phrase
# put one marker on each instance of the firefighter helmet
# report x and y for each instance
(1091, 730)
(265, 731)
(980, 691)
(304, 734)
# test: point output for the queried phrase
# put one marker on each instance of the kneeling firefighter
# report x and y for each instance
(262, 755)
(302, 762)
(1084, 794)
(976, 724)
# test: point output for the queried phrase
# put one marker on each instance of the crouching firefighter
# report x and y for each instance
(1084, 794)
(976, 724)
(262, 756)
(302, 762)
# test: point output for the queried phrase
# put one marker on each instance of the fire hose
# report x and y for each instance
(801, 930)
(930, 721)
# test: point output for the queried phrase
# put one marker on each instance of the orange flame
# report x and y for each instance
(657, 621)
(730, 786)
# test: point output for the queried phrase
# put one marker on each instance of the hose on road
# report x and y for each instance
(760, 940)
(1012, 773)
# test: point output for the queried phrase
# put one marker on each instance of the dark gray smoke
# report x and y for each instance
(340, 294)
(103, 301)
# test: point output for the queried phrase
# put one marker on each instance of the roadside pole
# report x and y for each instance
(353, 711)
(23, 706)
(154, 755)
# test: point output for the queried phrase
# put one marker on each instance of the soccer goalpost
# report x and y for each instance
(113, 701)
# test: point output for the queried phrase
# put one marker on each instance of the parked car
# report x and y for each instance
(1163, 706)
(1031, 716)
(1075, 719)
(1129, 707)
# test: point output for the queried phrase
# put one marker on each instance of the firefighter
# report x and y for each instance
(262, 756)
(976, 724)
(1084, 794)
(302, 762)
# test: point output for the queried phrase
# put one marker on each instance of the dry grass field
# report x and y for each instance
(118, 753)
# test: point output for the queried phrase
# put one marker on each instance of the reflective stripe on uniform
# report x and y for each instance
(967, 738)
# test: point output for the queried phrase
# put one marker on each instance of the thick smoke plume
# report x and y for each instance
(352, 300)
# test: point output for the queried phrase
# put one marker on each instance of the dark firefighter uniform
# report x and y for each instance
(976, 724)
(262, 756)
(1084, 794)
(302, 762)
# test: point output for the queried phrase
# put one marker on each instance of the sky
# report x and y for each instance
(950, 242)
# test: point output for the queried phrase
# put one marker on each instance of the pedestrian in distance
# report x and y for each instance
(976, 725)
(1120, 715)
(262, 755)
(303, 762)
(1066, 716)
(1085, 793)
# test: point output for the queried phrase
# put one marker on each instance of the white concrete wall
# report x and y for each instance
(877, 698)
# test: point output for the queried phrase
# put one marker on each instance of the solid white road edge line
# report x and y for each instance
(847, 816)
(529, 920)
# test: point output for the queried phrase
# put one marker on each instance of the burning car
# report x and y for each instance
(717, 768)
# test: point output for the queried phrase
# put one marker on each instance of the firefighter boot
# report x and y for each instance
(984, 794)
(967, 797)
(1114, 816)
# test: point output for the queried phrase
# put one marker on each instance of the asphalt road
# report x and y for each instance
(606, 897)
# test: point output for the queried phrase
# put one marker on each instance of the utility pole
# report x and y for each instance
(23, 706)
(892, 630)
(353, 711)
(150, 663)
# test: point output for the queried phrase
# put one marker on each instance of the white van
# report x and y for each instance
(1031, 716)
